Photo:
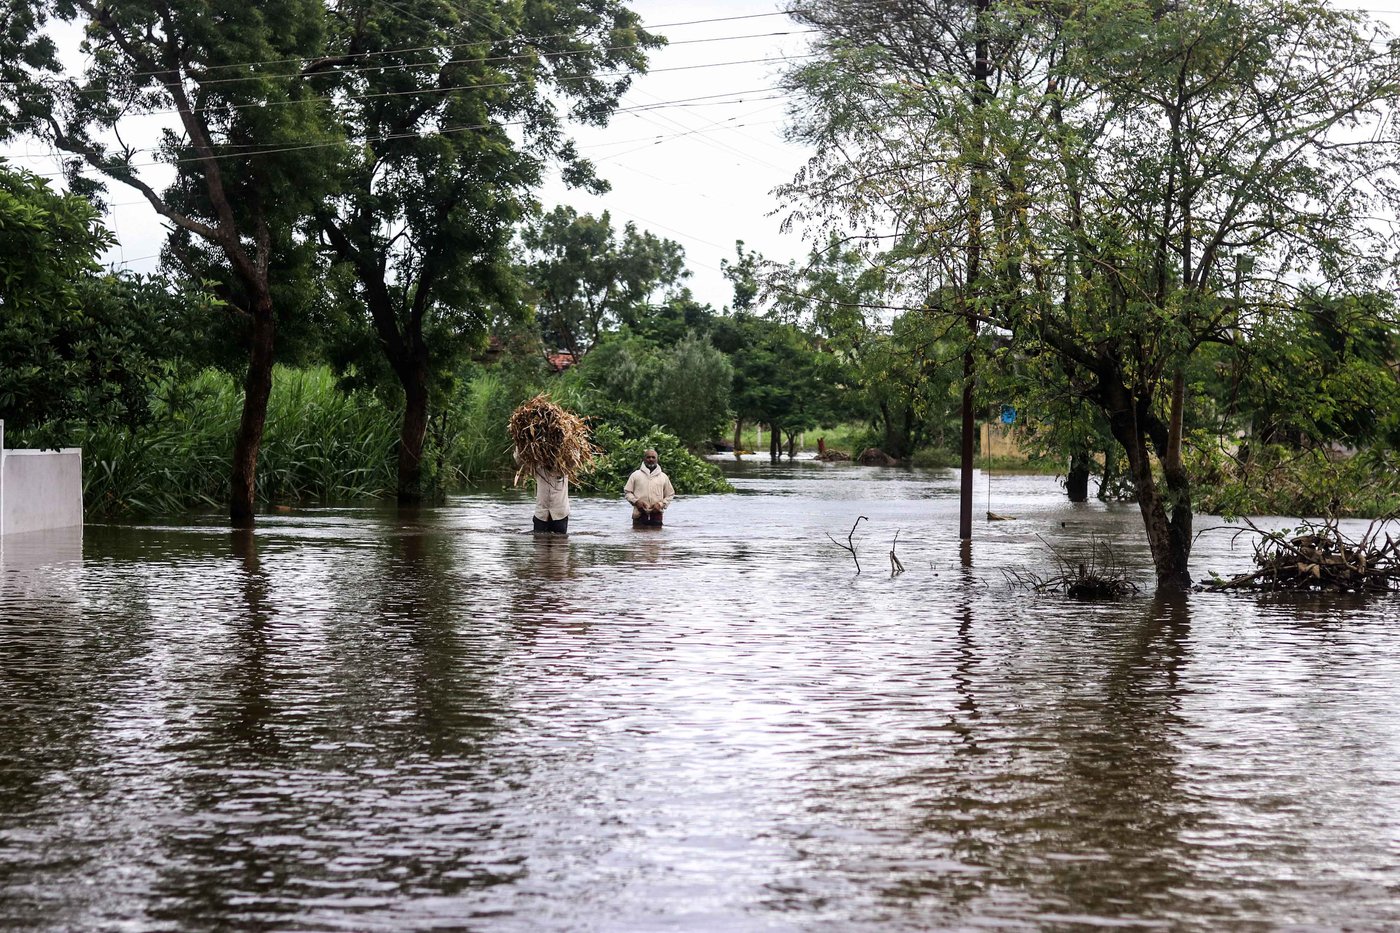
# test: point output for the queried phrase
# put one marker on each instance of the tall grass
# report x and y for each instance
(323, 444)
(470, 438)
(318, 444)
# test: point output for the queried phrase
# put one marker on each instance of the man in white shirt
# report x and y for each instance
(551, 499)
(649, 490)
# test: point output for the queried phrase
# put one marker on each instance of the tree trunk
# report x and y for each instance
(1077, 482)
(894, 442)
(775, 443)
(1110, 471)
(738, 438)
(1166, 513)
(415, 430)
(257, 389)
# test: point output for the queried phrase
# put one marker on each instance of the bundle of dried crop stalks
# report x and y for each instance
(1320, 558)
(551, 438)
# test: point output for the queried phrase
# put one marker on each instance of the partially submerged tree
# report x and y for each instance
(245, 137)
(1142, 156)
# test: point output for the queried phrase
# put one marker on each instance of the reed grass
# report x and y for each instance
(549, 437)
(319, 443)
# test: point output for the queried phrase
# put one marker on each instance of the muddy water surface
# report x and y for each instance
(357, 719)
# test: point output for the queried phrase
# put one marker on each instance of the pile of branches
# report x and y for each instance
(550, 438)
(1094, 574)
(1320, 558)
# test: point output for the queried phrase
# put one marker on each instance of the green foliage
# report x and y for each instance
(690, 392)
(320, 444)
(1275, 480)
(585, 280)
(690, 475)
(1319, 374)
(53, 355)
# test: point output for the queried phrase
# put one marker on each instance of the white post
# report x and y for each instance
(2, 477)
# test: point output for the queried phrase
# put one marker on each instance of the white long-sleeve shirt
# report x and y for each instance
(551, 492)
(649, 486)
(551, 495)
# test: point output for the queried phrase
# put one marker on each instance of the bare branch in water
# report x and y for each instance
(850, 545)
(895, 566)
(1095, 574)
(1319, 557)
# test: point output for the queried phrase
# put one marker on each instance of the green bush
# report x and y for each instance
(1306, 483)
(684, 388)
(690, 475)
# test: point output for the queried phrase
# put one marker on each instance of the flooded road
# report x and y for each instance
(356, 719)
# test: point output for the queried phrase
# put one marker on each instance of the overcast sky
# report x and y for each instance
(701, 171)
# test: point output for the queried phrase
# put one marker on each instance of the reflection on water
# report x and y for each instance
(367, 719)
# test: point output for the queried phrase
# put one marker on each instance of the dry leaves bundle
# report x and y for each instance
(551, 438)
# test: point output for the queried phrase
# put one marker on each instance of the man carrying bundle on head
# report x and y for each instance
(649, 490)
(551, 446)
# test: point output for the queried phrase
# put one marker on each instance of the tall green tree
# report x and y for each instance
(1141, 156)
(585, 279)
(244, 134)
(49, 242)
(454, 110)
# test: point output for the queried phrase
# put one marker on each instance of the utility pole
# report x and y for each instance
(981, 91)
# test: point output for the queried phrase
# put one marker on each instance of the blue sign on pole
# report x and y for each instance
(1008, 414)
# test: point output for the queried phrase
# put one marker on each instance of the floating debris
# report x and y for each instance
(1319, 559)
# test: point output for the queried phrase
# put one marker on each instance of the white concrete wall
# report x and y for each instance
(40, 489)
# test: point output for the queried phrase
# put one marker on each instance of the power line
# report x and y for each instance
(489, 86)
(649, 140)
(709, 127)
(303, 62)
(248, 153)
(441, 66)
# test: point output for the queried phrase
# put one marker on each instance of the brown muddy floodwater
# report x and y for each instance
(360, 720)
